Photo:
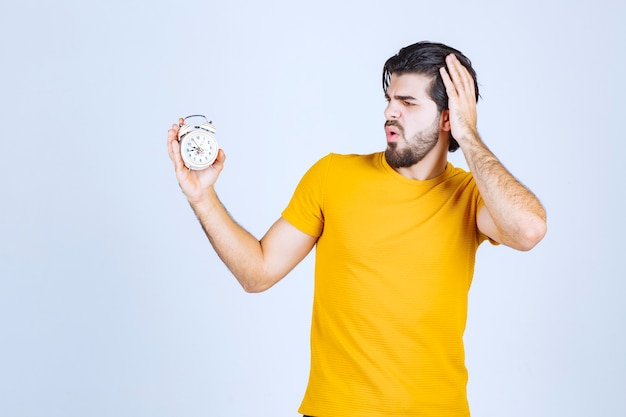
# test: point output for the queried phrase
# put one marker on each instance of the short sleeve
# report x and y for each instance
(305, 209)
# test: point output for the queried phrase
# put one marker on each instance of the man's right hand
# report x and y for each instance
(257, 264)
(196, 185)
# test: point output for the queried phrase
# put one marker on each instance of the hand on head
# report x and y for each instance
(461, 99)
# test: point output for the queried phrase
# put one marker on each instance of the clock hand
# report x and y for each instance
(198, 147)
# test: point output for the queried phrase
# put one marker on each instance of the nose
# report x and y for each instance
(392, 111)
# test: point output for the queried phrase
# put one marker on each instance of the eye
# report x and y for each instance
(408, 103)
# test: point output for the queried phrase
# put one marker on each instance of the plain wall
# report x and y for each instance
(112, 302)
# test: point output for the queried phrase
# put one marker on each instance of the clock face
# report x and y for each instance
(199, 149)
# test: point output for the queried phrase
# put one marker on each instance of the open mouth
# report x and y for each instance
(392, 130)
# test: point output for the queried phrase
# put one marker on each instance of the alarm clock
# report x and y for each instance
(198, 146)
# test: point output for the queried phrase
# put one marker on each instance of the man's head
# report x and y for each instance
(426, 58)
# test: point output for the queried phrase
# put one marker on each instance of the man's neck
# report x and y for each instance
(431, 166)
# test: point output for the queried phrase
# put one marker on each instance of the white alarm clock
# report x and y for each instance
(198, 146)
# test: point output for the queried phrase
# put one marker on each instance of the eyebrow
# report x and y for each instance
(403, 98)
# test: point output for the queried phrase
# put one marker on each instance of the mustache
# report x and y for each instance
(394, 123)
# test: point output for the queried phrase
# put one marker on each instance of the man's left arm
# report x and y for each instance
(512, 215)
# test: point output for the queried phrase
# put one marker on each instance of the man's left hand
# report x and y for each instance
(461, 100)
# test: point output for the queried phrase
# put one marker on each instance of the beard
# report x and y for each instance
(416, 148)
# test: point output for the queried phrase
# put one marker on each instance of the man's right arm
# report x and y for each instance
(257, 264)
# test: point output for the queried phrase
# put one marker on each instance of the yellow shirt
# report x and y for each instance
(394, 263)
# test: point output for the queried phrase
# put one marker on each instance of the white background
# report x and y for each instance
(112, 302)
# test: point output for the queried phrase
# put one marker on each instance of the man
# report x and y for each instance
(396, 234)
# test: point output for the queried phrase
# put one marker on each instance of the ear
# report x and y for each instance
(445, 120)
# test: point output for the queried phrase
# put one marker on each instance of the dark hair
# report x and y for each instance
(426, 58)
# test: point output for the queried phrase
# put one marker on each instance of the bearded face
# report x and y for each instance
(404, 152)
(413, 121)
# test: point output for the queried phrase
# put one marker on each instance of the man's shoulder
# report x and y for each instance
(457, 173)
(352, 159)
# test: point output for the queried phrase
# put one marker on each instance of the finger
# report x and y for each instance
(453, 69)
(174, 151)
(447, 82)
(172, 133)
(219, 160)
(460, 75)
(172, 137)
